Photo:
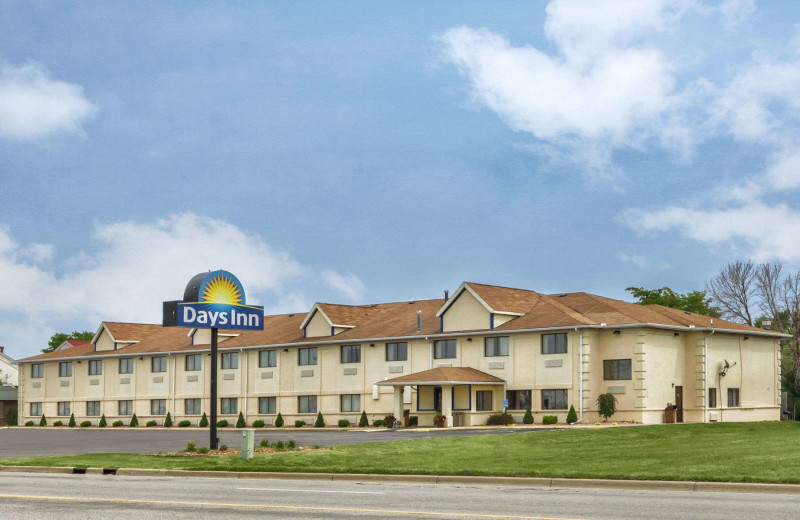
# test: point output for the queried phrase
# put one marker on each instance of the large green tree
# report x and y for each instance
(695, 301)
(60, 337)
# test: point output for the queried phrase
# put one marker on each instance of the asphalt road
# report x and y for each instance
(50, 496)
(35, 442)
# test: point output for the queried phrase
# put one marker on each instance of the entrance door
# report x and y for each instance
(679, 404)
(437, 398)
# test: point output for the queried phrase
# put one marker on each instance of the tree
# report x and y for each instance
(606, 405)
(71, 422)
(240, 421)
(134, 421)
(59, 337)
(42, 421)
(528, 417)
(279, 421)
(363, 421)
(320, 422)
(203, 421)
(734, 288)
(572, 417)
(11, 417)
(695, 301)
(102, 423)
(168, 421)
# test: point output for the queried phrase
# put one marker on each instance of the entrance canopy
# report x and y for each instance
(444, 376)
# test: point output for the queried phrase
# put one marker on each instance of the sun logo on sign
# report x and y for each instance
(222, 289)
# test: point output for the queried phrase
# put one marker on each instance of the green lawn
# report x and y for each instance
(745, 452)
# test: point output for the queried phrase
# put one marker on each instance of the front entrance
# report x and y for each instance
(679, 404)
(437, 398)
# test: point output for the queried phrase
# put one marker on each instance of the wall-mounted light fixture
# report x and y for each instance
(286, 350)
(617, 332)
(469, 339)
(372, 344)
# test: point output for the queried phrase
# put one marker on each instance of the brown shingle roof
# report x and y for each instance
(506, 299)
(445, 375)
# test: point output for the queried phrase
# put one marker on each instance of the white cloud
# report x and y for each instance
(347, 284)
(642, 262)
(34, 106)
(736, 12)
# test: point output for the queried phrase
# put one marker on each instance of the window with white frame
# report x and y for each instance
(307, 404)
(351, 403)
(229, 405)
(267, 405)
(495, 346)
(268, 358)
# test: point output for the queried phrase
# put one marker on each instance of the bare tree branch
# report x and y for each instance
(734, 289)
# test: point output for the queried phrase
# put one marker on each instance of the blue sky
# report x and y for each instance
(358, 153)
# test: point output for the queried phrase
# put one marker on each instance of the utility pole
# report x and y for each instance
(213, 443)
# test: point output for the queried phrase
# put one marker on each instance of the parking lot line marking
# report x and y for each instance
(277, 507)
(316, 491)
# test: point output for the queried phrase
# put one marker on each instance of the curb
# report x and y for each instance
(641, 485)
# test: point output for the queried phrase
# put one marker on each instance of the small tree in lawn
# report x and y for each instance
(279, 421)
(528, 418)
(102, 423)
(606, 405)
(203, 421)
(572, 417)
(71, 422)
(362, 421)
(42, 421)
(240, 421)
(134, 421)
(320, 422)
(168, 421)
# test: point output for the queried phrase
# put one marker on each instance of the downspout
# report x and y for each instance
(580, 372)
(430, 360)
(241, 352)
(705, 380)
(174, 364)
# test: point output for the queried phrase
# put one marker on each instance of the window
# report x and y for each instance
(307, 404)
(96, 367)
(229, 405)
(63, 409)
(444, 349)
(37, 370)
(483, 400)
(518, 399)
(194, 362)
(554, 400)
(158, 364)
(733, 397)
(191, 406)
(307, 356)
(65, 369)
(495, 346)
(351, 353)
(158, 407)
(712, 397)
(125, 407)
(267, 404)
(616, 369)
(554, 343)
(36, 409)
(93, 408)
(351, 403)
(230, 360)
(126, 365)
(396, 351)
(268, 358)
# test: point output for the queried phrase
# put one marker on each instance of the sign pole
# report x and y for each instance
(214, 441)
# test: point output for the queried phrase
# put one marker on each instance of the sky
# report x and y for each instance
(356, 153)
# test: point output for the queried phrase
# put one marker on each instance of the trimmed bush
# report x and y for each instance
(500, 419)
(42, 421)
(29, 423)
(344, 423)
(224, 447)
(222, 424)
(320, 422)
(291, 445)
(102, 423)
(279, 446)
(279, 421)
(264, 443)
(58, 423)
(72, 422)
(134, 421)
(572, 417)
(240, 421)
(377, 423)
(606, 405)
(150, 424)
(299, 424)
(550, 419)
(168, 421)
(12, 417)
(203, 421)
(191, 446)
(363, 421)
(413, 420)
(528, 419)
(203, 450)
(184, 423)
(258, 423)
(86, 424)
(116, 424)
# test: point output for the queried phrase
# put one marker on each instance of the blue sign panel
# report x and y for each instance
(505, 403)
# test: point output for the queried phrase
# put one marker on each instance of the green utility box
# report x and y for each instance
(248, 442)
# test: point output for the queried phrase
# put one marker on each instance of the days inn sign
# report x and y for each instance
(213, 300)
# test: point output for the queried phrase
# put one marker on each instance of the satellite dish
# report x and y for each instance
(727, 365)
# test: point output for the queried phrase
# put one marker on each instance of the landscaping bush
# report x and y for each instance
(203, 450)
(184, 423)
(151, 424)
(224, 447)
(291, 445)
(134, 421)
(344, 423)
(549, 419)
(606, 405)
(42, 421)
(258, 423)
(279, 446)
(168, 421)
(389, 420)
(264, 443)
(191, 446)
(86, 424)
(58, 423)
(29, 423)
(102, 423)
(71, 422)
(240, 421)
(413, 420)
(363, 421)
(116, 424)
(12, 417)
(279, 421)
(320, 422)
(203, 421)
(222, 424)
(528, 419)
(572, 417)
(378, 423)
(299, 424)
(500, 419)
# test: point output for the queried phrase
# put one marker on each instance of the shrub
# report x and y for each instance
(606, 405)
(151, 423)
(191, 446)
(279, 421)
(102, 423)
(116, 424)
(363, 421)
(203, 421)
(500, 419)
(378, 423)
(528, 419)
(184, 423)
(12, 417)
(264, 443)
(240, 421)
(86, 424)
(413, 420)
(258, 423)
(168, 421)
(203, 450)
(315, 447)
(222, 424)
(572, 417)
(29, 423)
(344, 423)
(58, 423)
(42, 421)
(134, 421)
(224, 447)
(299, 424)
(549, 419)
(291, 445)
(320, 422)
(279, 446)
(389, 420)
(71, 422)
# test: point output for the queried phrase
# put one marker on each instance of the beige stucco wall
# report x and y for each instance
(318, 326)
(466, 313)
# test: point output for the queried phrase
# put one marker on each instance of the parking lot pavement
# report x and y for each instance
(36, 442)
